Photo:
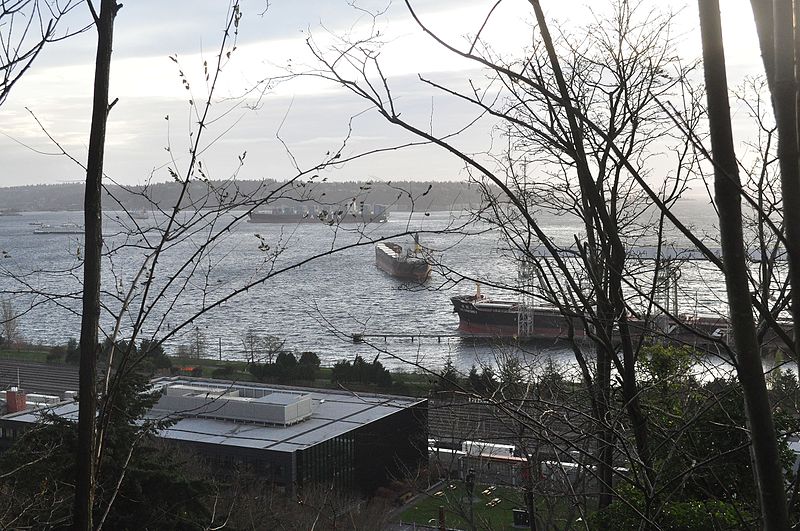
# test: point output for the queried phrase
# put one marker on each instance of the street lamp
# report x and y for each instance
(470, 483)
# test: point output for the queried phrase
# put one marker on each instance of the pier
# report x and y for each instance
(359, 338)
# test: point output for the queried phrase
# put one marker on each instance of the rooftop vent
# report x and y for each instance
(238, 404)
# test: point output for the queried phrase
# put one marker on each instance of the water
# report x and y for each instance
(312, 306)
(316, 304)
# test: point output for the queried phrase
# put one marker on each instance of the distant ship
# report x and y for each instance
(9, 212)
(408, 266)
(63, 228)
(290, 215)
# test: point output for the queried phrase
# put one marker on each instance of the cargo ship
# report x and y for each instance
(481, 316)
(290, 215)
(407, 266)
(64, 228)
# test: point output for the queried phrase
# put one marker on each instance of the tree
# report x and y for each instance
(768, 468)
(590, 116)
(72, 352)
(93, 223)
(779, 51)
(359, 371)
(26, 28)
(285, 359)
(154, 353)
(448, 377)
(258, 348)
(251, 344)
(308, 366)
(585, 114)
(198, 348)
(9, 322)
(714, 448)
(484, 383)
(150, 482)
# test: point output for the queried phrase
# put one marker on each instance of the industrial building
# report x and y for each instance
(290, 436)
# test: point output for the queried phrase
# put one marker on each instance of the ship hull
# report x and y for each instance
(498, 318)
(389, 258)
(67, 228)
(482, 317)
(330, 218)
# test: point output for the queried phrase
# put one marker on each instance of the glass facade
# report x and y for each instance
(329, 463)
(391, 447)
(369, 456)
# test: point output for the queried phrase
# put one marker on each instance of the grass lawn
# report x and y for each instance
(491, 506)
(39, 356)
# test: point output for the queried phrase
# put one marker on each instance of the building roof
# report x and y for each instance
(333, 413)
(44, 378)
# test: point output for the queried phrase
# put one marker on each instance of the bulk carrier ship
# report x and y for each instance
(407, 266)
(334, 216)
(480, 316)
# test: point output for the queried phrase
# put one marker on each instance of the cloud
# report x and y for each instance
(312, 114)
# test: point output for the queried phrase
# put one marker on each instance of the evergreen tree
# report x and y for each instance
(155, 492)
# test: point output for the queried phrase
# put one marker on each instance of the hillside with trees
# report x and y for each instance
(397, 195)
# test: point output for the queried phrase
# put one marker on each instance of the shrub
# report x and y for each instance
(286, 367)
(222, 372)
(73, 353)
(677, 516)
(361, 372)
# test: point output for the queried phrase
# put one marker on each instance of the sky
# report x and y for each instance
(295, 122)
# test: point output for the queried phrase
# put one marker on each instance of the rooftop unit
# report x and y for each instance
(261, 406)
(16, 400)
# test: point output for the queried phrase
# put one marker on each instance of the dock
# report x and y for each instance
(361, 337)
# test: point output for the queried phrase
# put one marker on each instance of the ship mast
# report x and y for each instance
(525, 283)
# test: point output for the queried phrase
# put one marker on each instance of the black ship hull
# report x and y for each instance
(498, 318)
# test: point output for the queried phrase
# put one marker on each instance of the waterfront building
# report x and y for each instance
(291, 437)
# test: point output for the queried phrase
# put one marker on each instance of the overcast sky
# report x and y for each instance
(311, 117)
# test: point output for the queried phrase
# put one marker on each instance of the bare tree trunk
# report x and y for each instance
(764, 447)
(605, 454)
(90, 318)
(611, 304)
(605, 440)
(762, 15)
(8, 319)
(784, 98)
(774, 21)
(796, 70)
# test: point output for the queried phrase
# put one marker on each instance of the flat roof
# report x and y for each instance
(42, 378)
(333, 413)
